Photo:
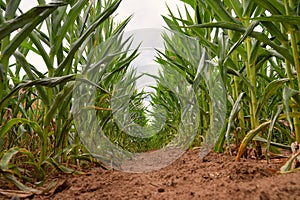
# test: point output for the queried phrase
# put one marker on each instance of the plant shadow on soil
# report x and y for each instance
(216, 176)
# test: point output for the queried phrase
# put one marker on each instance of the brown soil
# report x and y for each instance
(217, 176)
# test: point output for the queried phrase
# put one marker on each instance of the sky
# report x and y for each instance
(146, 13)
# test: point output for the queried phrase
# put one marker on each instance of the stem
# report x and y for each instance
(295, 51)
(297, 67)
(236, 93)
(252, 78)
(251, 73)
(4, 63)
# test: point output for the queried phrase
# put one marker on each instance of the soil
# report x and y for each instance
(216, 176)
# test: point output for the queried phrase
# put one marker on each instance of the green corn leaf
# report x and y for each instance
(236, 6)
(274, 119)
(34, 125)
(247, 33)
(70, 18)
(220, 11)
(27, 68)
(188, 16)
(233, 114)
(63, 168)
(244, 79)
(270, 89)
(41, 50)
(257, 35)
(287, 94)
(220, 142)
(26, 30)
(249, 8)
(20, 185)
(11, 9)
(283, 19)
(58, 102)
(273, 30)
(282, 146)
(8, 27)
(76, 45)
(47, 82)
(190, 2)
(7, 157)
(275, 7)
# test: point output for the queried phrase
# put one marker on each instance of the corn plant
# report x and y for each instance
(255, 44)
(37, 128)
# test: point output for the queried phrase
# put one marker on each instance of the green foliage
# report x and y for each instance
(256, 47)
(250, 46)
(35, 108)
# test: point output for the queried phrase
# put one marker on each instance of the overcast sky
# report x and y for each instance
(146, 13)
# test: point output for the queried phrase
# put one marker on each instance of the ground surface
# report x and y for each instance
(217, 176)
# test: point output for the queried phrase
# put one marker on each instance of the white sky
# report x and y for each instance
(146, 13)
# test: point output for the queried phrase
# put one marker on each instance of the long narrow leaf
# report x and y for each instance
(105, 15)
(250, 135)
(34, 125)
(70, 18)
(287, 94)
(26, 31)
(284, 19)
(233, 114)
(270, 89)
(257, 35)
(245, 35)
(274, 119)
(6, 158)
(11, 8)
(9, 26)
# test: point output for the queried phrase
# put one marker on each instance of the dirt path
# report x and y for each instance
(217, 176)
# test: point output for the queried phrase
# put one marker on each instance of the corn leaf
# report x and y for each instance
(245, 35)
(257, 35)
(220, 11)
(283, 19)
(76, 45)
(27, 68)
(274, 119)
(9, 26)
(287, 94)
(270, 90)
(11, 8)
(20, 185)
(287, 167)
(275, 7)
(248, 138)
(70, 18)
(27, 29)
(34, 125)
(7, 157)
(233, 114)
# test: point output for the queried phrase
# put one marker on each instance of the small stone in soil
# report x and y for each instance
(160, 190)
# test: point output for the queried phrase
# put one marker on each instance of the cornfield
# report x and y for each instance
(252, 45)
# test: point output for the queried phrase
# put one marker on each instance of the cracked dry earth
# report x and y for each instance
(217, 176)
